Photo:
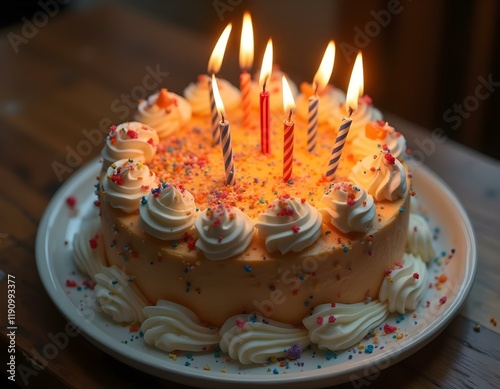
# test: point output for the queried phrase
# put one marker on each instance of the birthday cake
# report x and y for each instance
(261, 266)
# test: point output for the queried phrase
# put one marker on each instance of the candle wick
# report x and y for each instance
(222, 117)
(290, 116)
(264, 84)
(351, 110)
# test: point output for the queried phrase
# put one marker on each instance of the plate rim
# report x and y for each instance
(110, 346)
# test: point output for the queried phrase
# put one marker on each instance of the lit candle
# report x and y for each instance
(265, 119)
(288, 125)
(319, 82)
(214, 64)
(353, 91)
(225, 136)
(246, 60)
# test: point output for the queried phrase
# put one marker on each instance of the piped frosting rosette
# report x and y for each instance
(329, 99)
(419, 241)
(378, 135)
(170, 326)
(126, 182)
(223, 231)
(274, 86)
(339, 326)
(365, 113)
(348, 208)
(289, 224)
(118, 296)
(253, 339)
(382, 176)
(133, 140)
(198, 95)
(168, 212)
(405, 284)
(165, 111)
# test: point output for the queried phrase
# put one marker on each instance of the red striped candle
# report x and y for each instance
(288, 134)
(246, 60)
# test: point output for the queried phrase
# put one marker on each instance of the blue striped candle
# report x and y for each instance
(312, 123)
(227, 151)
(213, 116)
(339, 146)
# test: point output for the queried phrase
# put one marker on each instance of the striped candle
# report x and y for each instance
(265, 122)
(227, 151)
(312, 123)
(337, 149)
(213, 116)
(246, 102)
(289, 125)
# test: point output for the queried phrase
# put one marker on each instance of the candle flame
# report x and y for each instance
(246, 43)
(217, 97)
(288, 101)
(215, 61)
(325, 68)
(355, 89)
(267, 64)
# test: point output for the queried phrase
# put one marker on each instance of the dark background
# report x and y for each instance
(424, 60)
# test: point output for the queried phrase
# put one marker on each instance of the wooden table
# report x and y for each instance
(68, 77)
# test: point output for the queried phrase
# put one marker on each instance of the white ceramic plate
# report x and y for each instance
(456, 259)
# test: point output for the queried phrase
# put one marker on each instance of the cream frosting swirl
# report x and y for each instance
(378, 135)
(198, 95)
(348, 208)
(168, 212)
(274, 86)
(419, 241)
(170, 326)
(170, 115)
(382, 176)
(118, 296)
(133, 140)
(126, 182)
(289, 224)
(404, 285)
(88, 248)
(224, 231)
(328, 101)
(339, 326)
(364, 114)
(253, 339)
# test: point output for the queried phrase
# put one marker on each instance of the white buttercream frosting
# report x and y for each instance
(419, 241)
(382, 176)
(405, 284)
(198, 95)
(274, 87)
(348, 208)
(170, 326)
(118, 296)
(126, 182)
(253, 339)
(88, 248)
(364, 114)
(339, 326)
(329, 99)
(134, 140)
(289, 224)
(167, 212)
(223, 231)
(378, 135)
(166, 118)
